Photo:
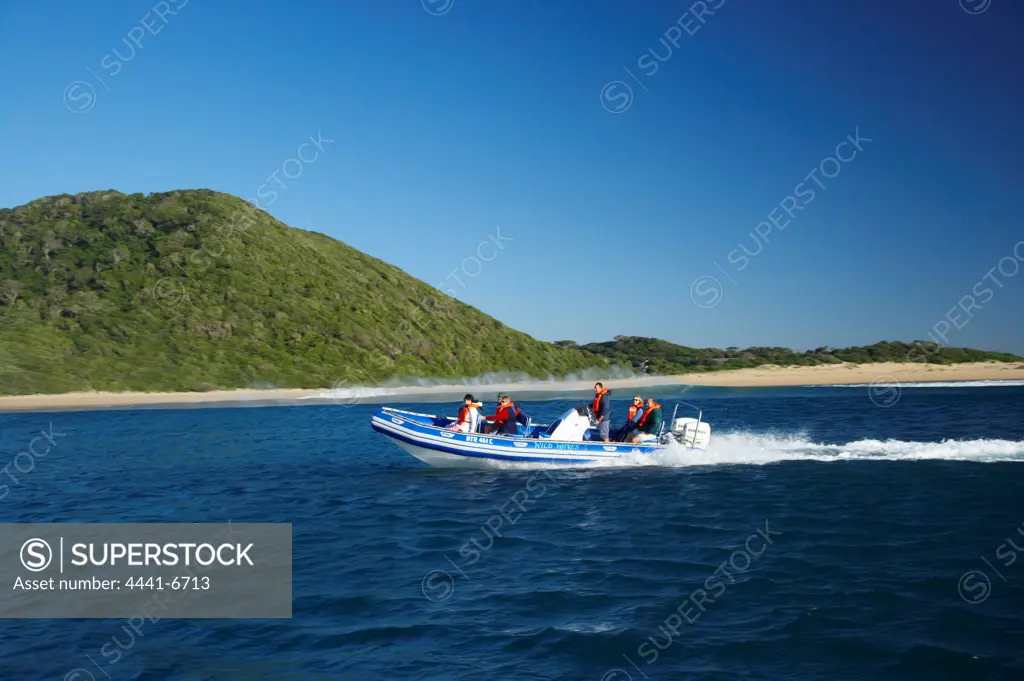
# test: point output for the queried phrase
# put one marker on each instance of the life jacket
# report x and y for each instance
(464, 411)
(648, 412)
(632, 411)
(507, 419)
(597, 400)
(506, 413)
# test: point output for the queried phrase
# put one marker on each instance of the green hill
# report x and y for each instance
(651, 355)
(197, 290)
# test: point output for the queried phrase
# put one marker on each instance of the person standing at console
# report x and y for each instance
(602, 408)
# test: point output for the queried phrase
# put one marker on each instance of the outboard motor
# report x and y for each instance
(690, 432)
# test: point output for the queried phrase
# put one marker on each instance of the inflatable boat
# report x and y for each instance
(570, 440)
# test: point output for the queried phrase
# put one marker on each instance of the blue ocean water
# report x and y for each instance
(827, 533)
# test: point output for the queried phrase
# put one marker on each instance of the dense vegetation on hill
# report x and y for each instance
(197, 290)
(651, 355)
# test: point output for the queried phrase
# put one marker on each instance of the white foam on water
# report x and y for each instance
(927, 384)
(759, 448)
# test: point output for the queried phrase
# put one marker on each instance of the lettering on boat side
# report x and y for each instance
(554, 445)
(482, 440)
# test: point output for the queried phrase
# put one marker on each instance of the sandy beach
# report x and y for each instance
(838, 374)
(844, 374)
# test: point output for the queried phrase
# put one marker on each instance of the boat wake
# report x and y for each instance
(754, 448)
(746, 448)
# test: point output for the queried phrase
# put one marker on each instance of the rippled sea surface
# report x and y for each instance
(821, 536)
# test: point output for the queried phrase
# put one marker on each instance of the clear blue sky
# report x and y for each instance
(452, 118)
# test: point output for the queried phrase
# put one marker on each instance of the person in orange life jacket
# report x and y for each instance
(602, 408)
(469, 415)
(649, 426)
(636, 412)
(504, 419)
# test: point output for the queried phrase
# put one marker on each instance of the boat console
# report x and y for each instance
(569, 427)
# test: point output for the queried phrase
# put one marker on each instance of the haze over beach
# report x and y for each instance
(432, 340)
(875, 378)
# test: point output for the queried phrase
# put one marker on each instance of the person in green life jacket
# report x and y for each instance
(649, 426)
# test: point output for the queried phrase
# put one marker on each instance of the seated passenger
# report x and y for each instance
(636, 412)
(649, 426)
(504, 419)
(469, 416)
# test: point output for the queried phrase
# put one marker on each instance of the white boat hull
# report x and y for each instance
(426, 438)
(437, 459)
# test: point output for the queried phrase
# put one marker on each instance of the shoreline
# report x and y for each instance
(760, 377)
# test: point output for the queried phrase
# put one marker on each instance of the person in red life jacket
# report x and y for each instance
(636, 412)
(504, 418)
(649, 426)
(469, 416)
(602, 408)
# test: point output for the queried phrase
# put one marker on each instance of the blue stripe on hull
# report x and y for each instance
(475, 455)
